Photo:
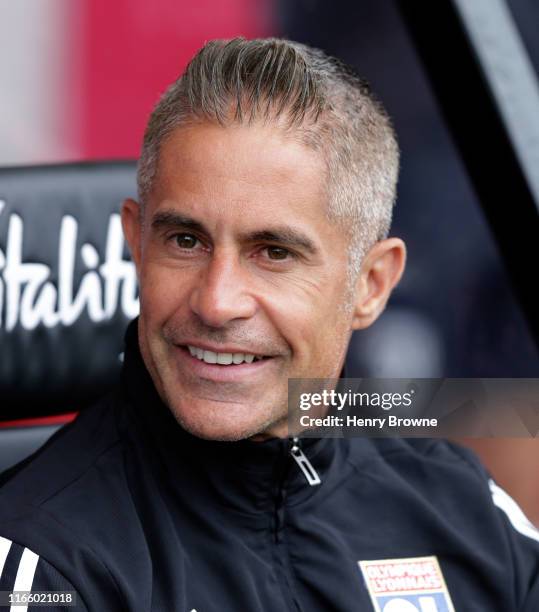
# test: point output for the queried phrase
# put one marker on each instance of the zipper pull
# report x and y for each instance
(304, 464)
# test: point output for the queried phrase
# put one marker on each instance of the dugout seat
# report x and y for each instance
(67, 292)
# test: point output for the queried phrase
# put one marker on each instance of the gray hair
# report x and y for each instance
(315, 97)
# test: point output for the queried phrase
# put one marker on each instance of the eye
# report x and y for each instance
(185, 241)
(278, 253)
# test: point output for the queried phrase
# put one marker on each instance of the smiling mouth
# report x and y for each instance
(223, 359)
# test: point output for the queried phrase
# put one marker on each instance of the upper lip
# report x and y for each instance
(223, 349)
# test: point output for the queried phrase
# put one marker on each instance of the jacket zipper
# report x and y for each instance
(293, 450)
(311, 475)
(304, 464)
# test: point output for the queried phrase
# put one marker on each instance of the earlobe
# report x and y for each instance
(380, 272)
(131, 225)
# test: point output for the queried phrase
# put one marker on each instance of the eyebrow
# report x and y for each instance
(173, 219)
(283, 234)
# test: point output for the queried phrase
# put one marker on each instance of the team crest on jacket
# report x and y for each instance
(415, 584)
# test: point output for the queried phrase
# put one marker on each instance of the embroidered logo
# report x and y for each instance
(415, 584)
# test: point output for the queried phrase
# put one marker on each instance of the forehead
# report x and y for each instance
(241, 171)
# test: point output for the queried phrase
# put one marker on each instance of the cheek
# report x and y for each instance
(309, 316)
(162, 293)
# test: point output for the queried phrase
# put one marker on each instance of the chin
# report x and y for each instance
(219, 420)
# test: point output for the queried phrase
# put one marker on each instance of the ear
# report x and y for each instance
(131, 223)
(381, 270)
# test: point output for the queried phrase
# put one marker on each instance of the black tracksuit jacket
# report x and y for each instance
(131, 512)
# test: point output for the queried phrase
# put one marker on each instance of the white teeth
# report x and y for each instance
(222, 358)
(209, 357)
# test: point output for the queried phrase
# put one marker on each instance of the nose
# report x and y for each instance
(221, 294)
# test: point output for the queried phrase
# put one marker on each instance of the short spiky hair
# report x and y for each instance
(313, 96)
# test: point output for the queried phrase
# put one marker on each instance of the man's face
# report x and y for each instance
(237, 261)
